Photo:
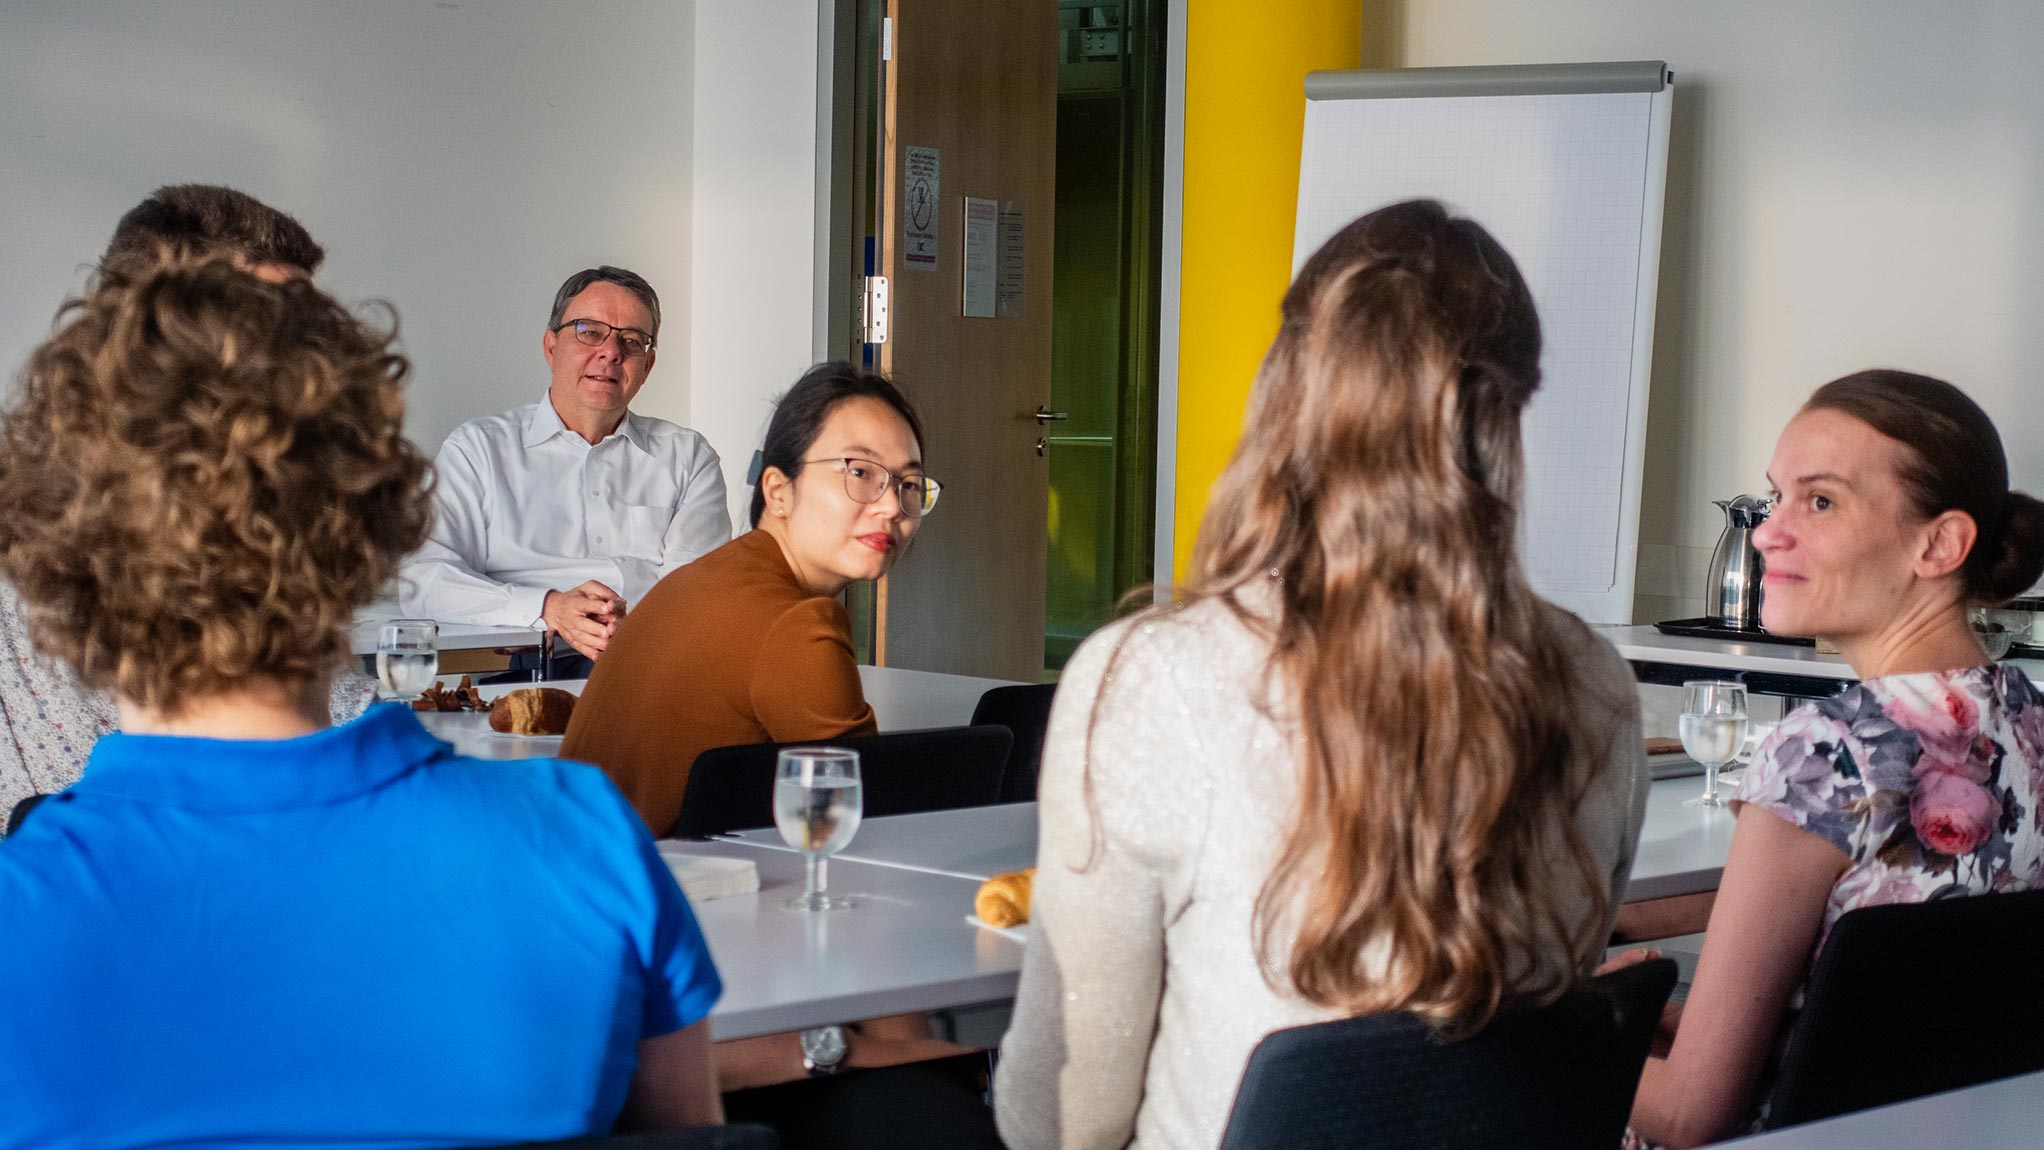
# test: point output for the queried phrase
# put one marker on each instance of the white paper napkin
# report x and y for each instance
(704, 877)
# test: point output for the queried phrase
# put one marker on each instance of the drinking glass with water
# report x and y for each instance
(407, 656)
(1713, 730)
(817, 805)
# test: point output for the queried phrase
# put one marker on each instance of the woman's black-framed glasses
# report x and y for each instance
(595, 333)
(866, 481)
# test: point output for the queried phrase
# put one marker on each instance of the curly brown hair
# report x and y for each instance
(204, 476)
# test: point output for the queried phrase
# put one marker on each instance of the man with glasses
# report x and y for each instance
(565, 511)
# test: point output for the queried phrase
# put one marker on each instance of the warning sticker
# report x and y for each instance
(919, 209)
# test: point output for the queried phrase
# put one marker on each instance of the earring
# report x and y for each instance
(782, 511)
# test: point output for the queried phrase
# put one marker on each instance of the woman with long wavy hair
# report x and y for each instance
(1357, 765)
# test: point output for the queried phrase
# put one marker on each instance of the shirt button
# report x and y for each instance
(596, 493)
(599, 538)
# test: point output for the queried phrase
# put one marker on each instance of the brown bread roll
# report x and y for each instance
(533, 711)
(1004, 899)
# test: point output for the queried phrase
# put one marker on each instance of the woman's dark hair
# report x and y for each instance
(799, 417)
(1956, 463)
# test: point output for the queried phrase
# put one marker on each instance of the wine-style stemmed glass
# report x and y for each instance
(1713, 729)
(407, 656)
(817, 804)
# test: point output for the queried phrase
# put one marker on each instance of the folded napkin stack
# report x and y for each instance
(704, 877)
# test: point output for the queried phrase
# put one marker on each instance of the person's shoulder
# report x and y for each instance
(670, 437)
(731, 570)
(489, 441)
(562, 798)
(493, 428)
(1589, 656)
(1179, 646)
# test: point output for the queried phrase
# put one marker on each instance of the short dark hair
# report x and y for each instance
(1955, 463)
(799, 417)
(625, 278)
(202, 220)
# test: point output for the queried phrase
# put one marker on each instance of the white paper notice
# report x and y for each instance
(982, 223)
(919, 209)
(1010, 301)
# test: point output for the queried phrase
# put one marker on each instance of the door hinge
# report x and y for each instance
(873, 310)
(886, 38)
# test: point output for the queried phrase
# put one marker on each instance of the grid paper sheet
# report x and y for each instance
(1561, 181)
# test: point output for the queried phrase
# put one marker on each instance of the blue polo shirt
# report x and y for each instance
(352, 939)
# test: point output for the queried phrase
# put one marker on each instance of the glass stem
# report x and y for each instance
(1710, 783)
(816, 876)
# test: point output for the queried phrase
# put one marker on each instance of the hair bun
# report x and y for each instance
(2018, 550)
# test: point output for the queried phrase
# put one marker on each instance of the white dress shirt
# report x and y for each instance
(523, 506)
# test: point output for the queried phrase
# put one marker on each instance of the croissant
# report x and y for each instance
(533, 711)
(1004, 899)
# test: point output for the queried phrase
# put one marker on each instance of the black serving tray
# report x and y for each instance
(1707, 628)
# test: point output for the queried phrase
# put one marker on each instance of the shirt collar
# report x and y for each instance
(544, 423)
(249, 775)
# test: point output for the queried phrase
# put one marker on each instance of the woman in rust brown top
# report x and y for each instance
(748, 644)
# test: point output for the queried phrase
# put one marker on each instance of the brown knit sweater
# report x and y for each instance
(729, 649)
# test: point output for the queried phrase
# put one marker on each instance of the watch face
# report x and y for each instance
(824, 1046)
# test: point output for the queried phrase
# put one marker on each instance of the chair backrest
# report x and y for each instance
(1025, 710)
(737, 1136)
(1555, 1077)
(1946, 988)
(902, 772)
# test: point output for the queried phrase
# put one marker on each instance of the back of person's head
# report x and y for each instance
(204, 475)
(1954, 462)
(799, 417)
(625, 278)
(1374, 494)
(204, 220)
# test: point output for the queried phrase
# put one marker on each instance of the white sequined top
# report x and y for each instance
(1141, 995)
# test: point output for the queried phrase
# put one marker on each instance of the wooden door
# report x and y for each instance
(975, 83)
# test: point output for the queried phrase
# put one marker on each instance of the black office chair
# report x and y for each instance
(903, 772)
(1940, 985)
(19, 814)
(1025, 711)
(1558, 1077)
(737, 1136)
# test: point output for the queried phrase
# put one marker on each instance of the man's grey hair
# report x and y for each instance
(629, 280)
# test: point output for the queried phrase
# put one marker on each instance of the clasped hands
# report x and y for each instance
(586, 616)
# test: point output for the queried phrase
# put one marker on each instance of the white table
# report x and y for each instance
(905, 700)
(1681, 851)
(902, 701)
(2008, 1113)
(905, 948)
(1803, 668)
(453, 636)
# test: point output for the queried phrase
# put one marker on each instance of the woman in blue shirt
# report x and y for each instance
(242, 925)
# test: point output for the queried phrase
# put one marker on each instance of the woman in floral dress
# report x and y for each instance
(1892, 516)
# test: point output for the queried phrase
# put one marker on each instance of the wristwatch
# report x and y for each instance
(823, 1050)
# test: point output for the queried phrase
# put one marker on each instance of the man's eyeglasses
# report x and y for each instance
(595, 333)
(866, 481)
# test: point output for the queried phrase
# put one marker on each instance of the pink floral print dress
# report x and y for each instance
(1929, 783)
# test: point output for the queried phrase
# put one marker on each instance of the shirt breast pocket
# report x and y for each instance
(646, 531)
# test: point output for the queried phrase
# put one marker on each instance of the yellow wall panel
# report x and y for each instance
(1245, 114)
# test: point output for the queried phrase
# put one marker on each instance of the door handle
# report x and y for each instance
(1045, 415)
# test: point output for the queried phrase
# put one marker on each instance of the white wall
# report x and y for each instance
(457, 159)
(754, 264)
(1851, 184)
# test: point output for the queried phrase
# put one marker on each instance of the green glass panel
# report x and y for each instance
(1086, 366)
